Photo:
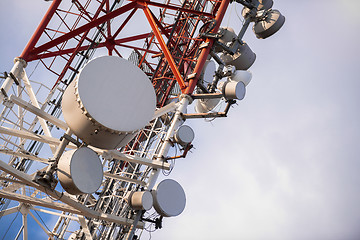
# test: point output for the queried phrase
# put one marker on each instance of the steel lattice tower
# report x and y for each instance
(170, 41)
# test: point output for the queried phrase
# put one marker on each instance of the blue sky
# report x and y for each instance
(285, 163)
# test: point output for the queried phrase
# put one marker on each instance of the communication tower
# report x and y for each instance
(86, 135)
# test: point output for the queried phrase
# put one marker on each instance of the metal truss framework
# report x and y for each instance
(171, 52)
(181, 53)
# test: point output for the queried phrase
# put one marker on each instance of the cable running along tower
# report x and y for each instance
(86, 135)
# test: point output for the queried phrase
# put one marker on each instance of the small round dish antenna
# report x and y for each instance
(169, 198)
(208, 72)
(243, 58)
(241, 76)
(80, 171)
(184, 135)
(141, 200)
(269, 24)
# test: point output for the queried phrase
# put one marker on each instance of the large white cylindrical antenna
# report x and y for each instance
(110, 100)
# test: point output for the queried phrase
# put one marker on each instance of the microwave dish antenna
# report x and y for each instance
(80, 171)
(87, 135)
(108, 102)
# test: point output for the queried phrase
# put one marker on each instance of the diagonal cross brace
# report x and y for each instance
(163, 46)
(85, 211)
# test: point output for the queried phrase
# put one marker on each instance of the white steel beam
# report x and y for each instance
(85, 228)
(65, 198)
(42, 226)
(9, 180)
(24, 155)
(54, 213)
(35, 102)
(176, 122)
(134, 159)
(9, 211)
(15, 186)
(32, 136)
(19, 232)
(114, 176)
(37, 202)
(29, 135)
(25, 229)
(18, 71)
(20, 110)
(38, 112)
(168, 108)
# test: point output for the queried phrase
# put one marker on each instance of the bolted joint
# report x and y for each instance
(188, 97)
(21, 60)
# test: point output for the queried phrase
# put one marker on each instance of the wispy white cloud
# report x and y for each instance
(284, 164)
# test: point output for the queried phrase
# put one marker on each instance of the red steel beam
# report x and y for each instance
(158, 23)
(176, 8)
(138, 48)
(164, 48)
(103, 44)
(73, 55)
(124, 23)
(205, 51)
(40, 29)
(82, 29)
(82, 9)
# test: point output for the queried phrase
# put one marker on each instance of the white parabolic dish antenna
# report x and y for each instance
(116, 93)
(80, 171)
(208, 72)
(169, 198)
(109, 101)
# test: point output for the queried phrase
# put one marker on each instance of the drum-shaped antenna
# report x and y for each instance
(184, 135)
(263, 5)
(169, 198)
(228, 34)
(243, 58)
(270, 24)
(208, 72)
(241, 76)
(141, 200)
(206, 105)
(234, 90)
(110, 100)
(80, 171)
